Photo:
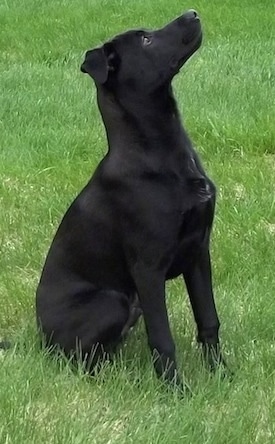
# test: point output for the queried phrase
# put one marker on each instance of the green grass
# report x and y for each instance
(51, 139)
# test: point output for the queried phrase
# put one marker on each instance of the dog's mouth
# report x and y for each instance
(194, 44)
(194, 39)
(191, 41)
(193, 32)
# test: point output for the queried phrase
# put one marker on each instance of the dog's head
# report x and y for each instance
(145, 59)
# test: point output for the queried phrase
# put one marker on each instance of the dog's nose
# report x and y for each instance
(191, 14)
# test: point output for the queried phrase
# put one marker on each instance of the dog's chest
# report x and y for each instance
(197, 201)
(193, 186)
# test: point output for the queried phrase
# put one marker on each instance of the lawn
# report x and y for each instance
(51, 139)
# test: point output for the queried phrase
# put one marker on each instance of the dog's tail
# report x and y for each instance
(5, 345)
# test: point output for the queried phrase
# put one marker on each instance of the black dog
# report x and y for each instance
(144, 217)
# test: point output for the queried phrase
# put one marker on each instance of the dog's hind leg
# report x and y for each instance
(89, 327)
(134, 313)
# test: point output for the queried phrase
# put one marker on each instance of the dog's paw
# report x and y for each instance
(215, 362)
(177, 385)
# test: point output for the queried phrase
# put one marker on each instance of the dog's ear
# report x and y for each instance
(99, 62)
(95, 64)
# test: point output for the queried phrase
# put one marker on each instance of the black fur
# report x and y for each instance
(144, 217)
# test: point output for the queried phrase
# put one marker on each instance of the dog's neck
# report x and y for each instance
(148, 121)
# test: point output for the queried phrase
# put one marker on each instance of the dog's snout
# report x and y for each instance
(191, 14)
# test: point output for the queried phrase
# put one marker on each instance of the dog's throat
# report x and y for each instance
(149, 121)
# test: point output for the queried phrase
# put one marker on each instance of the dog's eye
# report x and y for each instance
(146, 40)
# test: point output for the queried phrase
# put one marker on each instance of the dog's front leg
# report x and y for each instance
(151, 291)
(198, 281)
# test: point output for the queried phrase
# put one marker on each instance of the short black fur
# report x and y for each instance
(144, 217)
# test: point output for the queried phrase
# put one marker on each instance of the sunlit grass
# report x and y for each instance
(51, 139)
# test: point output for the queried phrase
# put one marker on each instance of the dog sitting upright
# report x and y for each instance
(144, 217)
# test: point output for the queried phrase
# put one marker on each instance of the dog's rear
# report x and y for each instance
(144, 217)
